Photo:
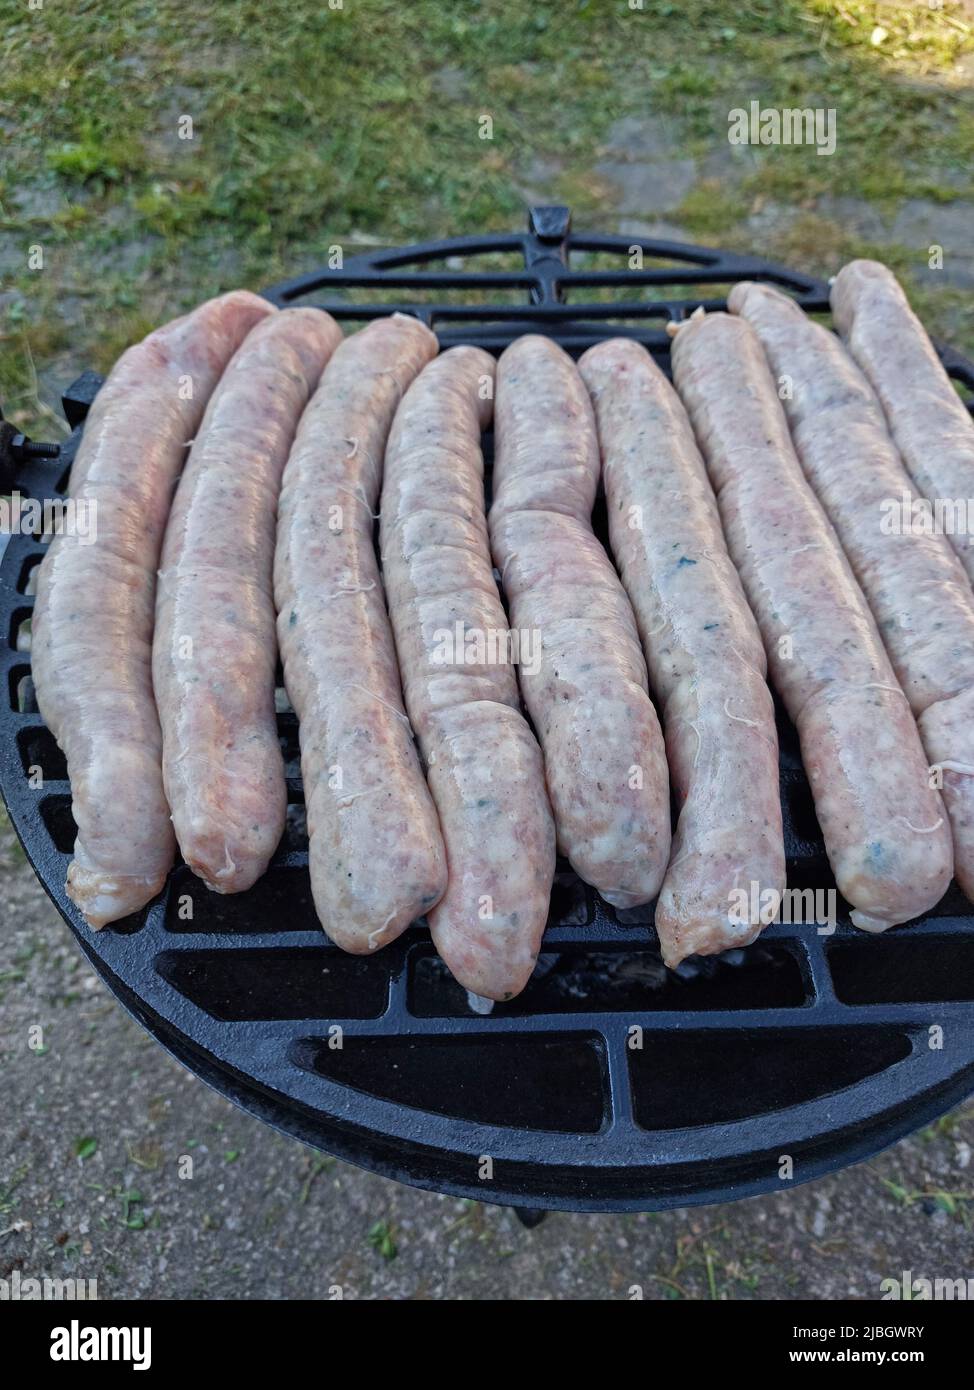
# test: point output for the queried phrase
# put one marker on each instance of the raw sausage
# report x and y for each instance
(706, 661)
(92, 650)
(376, 854)
(483, 762)
(883, 824)
(927, 419)
(215, 646)
(588, 696)
(915, 584)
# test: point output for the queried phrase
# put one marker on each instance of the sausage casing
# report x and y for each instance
(376, 855)
(93, 620)
(884, 826)
(915, 584)
(483, 762)
(927, 419)
(215, 645)
(605, 761)
(706, 660)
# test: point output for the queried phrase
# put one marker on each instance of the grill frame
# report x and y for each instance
(620, 1165)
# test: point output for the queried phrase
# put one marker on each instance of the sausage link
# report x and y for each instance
(884, 827)
(376, 854)
(706, 661)
(915, 584)
(483, 763)
(93, 620)
(588, 696)
(215, 648)
(927, 419)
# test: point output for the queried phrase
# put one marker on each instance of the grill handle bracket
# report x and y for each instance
(79, 396)
(17, 451)
(546, 250)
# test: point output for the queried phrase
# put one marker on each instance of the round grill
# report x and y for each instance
(611, 1083)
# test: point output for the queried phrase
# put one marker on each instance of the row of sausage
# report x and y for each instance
(744, 521)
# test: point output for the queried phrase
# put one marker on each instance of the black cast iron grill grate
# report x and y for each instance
(820, 1048)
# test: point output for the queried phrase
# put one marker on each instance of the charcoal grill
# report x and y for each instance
(822, 1049)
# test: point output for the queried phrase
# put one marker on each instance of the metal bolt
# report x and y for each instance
(26, 448)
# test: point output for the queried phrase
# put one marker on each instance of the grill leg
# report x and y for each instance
(530, 1217)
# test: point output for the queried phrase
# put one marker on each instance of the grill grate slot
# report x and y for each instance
(287, 737)
(741, 1075)
(59, 822)
(27, 580)
(278, 984)
(547, 1083)
(20, 629)
(38, 749)
(23, 698)
(902, 970)
(572, 901)
(295, 837)
(280, 901)
(623, 982)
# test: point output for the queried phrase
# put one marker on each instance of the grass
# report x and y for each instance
(313, 125)
(381, 1238)
(316, 1165)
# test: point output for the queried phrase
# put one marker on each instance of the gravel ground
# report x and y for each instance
(255, 1215)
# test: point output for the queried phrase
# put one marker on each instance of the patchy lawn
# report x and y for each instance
(312, 125)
